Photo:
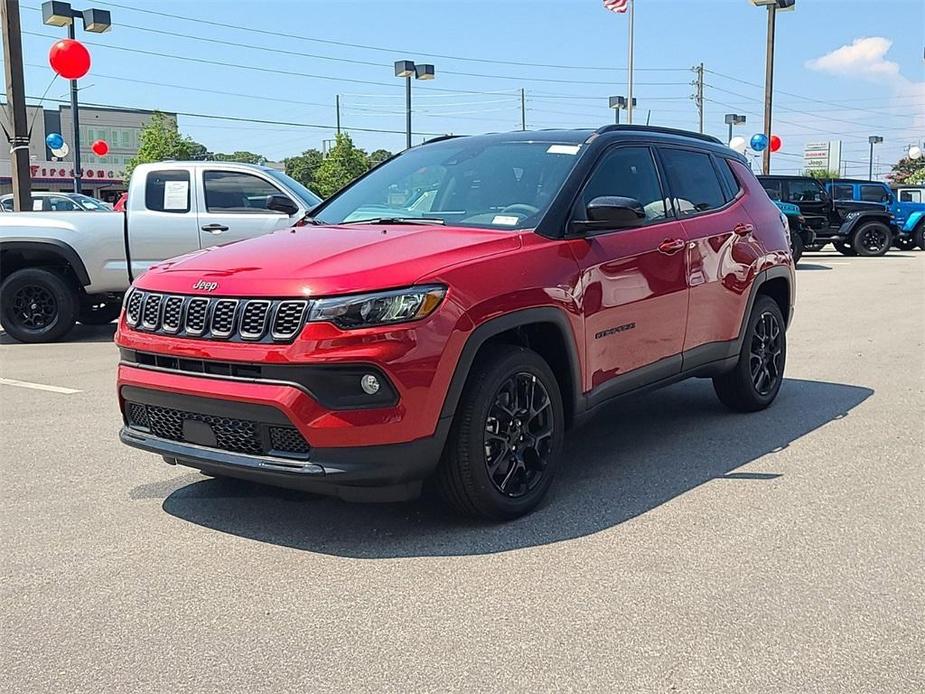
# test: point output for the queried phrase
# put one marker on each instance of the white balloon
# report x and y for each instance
(915, 152)
(61, 151)
(739, 144)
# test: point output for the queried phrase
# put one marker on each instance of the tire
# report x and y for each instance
(796, 247)
(872, 240)
(99, 310)
(37, 305)
(817, 246)
(758, 374)
(484, 430)
(904, 243)
(844, 248)
(919, 235)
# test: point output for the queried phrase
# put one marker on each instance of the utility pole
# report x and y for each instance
(523, 109)
(699, 98)
(337, 108)
(769, 87)
(16, 101)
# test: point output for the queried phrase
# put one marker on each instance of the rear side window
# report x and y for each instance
(58, 204)
(628, 172)
(806, 191)
(873, 194)
(842, 192)
(904, 196)
(167, 191)
(728, 178)
(230, 191)
(773, 188)
(694, 185)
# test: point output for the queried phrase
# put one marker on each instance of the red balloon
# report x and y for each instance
(775, 143)
(100, 148)
(69, 58)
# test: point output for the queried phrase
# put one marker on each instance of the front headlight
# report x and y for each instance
(381, 308)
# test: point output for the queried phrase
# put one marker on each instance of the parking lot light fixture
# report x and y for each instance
(873, 140)
(773, 7)
(618, 103)
(407, 69)
(731, 120)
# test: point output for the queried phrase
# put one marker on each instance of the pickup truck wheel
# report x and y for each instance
(37, 305)
(99, 311)
(796, 247)
(505, 443)
(872, 239)
(844, 248)
(757, 377)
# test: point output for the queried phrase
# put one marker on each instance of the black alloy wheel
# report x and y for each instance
(765, 359)
(37, 305)
(34, 307)
(872, 239)
(518, 435)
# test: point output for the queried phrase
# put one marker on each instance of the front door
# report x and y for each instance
(233, 206)
(634, 295)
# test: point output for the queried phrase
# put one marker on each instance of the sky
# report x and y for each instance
(845, 69)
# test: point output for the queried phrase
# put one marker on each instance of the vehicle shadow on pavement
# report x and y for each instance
(633, 456)
(80, 333)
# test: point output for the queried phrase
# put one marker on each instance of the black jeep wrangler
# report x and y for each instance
(853, 227)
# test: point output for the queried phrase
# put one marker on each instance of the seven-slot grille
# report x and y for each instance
(267, 320)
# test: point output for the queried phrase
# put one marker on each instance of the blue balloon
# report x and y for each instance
(54, 141)
(759, 141)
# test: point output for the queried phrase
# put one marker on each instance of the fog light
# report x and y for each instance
(370, 384)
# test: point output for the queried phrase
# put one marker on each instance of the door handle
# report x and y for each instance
(741, 229)
(214, 228)
(671, 246)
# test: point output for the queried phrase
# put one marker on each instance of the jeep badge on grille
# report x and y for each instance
(206, 286)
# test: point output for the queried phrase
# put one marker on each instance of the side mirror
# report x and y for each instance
(612, 212)
(281, 203)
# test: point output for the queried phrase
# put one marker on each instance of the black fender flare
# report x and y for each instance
(762, 278)
(501, 324)
(52, 247)
(851, 225)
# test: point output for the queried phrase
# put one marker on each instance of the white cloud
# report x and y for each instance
(864, 57)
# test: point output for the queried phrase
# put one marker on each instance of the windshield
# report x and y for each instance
(463, 182)
(88, 203)
(309, 199)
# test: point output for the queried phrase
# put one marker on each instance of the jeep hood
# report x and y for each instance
(327, 260)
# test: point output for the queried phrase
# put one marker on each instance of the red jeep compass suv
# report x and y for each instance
(452, 312)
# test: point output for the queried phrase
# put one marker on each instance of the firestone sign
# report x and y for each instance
(57, 171)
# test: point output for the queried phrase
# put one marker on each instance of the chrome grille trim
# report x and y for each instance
(232, 319)
(155, 301)
(288, 313)
(254, 310)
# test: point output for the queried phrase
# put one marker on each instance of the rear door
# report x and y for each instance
(634, 294)
(722, 251)
(811, 197)
(161, 221)
(233, 206)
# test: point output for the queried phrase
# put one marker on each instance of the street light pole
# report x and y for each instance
(873, 140)
(408, 112)
(408, 69)
(75, 121)
(769, 87)
(731, 120)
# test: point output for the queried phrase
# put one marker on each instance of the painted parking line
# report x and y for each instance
(37, 386)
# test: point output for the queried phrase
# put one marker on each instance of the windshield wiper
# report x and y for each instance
(398, 220)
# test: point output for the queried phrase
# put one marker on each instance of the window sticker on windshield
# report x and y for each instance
(37, 205)
(563, 149)
(507, 220)
(175, 195)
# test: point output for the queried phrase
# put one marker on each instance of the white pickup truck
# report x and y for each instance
(58, 268)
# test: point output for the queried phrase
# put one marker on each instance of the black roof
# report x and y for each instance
(789, 177)
(854, 180)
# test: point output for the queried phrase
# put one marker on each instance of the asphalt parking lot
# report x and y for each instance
(683, 549)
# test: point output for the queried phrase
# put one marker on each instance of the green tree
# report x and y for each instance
(377, 157)
(822, 174)
(198, 152)
(344, 162)
(908, 171)
(241, 156)
(160, 140)
(302, 167)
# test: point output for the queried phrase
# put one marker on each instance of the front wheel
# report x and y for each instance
(844, 248)
(904, 243)
(36, 305)
(758, 374)
(505, 442)
(873, 239)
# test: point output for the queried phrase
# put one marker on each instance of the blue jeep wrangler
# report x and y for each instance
(905, 204)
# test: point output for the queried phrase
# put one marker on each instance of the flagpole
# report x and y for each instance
(629, 86)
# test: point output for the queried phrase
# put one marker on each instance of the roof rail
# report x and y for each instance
(657, 129)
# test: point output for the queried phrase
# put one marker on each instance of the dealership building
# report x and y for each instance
(103, 177)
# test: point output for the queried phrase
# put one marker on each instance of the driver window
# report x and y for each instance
(231, 191)
(628, 172)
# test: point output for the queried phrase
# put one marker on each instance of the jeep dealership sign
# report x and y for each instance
(822, 156)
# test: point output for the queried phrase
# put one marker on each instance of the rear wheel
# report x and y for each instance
(505, 442)
(796, 247)
(904, 243)
(757, 377)
(872, 239)
(37, 305)
(99, 310)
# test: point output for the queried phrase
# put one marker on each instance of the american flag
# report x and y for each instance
(616, 5)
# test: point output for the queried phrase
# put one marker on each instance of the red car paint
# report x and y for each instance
(666, 288)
